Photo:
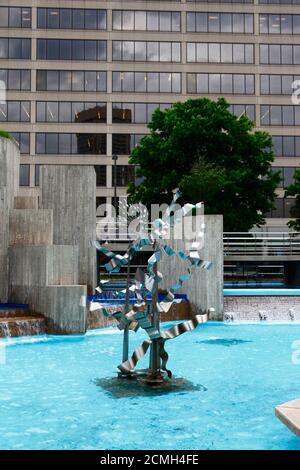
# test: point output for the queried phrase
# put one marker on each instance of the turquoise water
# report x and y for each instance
(49, 399)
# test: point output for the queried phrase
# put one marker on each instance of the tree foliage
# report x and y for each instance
(5, 134)
(212, 156)
(294, 190)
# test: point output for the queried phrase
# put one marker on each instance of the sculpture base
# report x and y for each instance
(120, 388)
(129, 376)
(154, 380)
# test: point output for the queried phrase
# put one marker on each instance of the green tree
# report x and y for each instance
(294, 191)
(5, 134)
(211, 155)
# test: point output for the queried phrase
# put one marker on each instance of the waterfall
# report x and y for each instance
(255, 315)
(262, 315)
(22, 327)
(4, 329)
(229, 316)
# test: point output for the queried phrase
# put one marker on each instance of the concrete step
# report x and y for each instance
(20, 320)
(29, 325)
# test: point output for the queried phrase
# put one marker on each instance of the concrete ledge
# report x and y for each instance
(26, 202)
(64, 314)
(30, 227)
(43, 265)
(59, 304)
(289, 414)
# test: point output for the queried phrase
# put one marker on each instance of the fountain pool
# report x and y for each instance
(49, 397)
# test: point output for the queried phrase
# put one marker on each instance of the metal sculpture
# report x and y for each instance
(143, 314)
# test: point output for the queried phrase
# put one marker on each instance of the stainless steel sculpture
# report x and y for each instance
(142, 314)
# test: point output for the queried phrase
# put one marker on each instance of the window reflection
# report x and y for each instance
(135, 113)
(220, 22)
(146, 20)
(204, 83)
(151, 82)
(71, 49)
(15, 111)
(68, 18)
(146, 51)
(70, 144)
(64, 80)
(15, 48)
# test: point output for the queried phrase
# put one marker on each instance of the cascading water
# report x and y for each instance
(4, 329)
(12, 327)
(290, 315)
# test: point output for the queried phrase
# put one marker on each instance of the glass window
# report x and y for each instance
(152, 21)
(117, 19)
(18, 111)
(214, 52)
(288, 146)
(24, 175)
(52, 112)
(226, 83)
(4, 17)
(228, 53)
(153, 51)
(165, 52)
(52, 80)
(213, 22)
(165, 21)
(65, 18)
(52, 18)
(128, 20)
(77, 81)
(78, 19)
(226, 23)
(277, 143)
(15, 17)
(140, 20)
(90, 50)
(204, 82)
(140, 82)
(153, 82)
(64, 144)
(176, 19)
(40, 112)
(141, 113)
(77, 49)
(140, 51)
(65, 52)
(128, 81)
(65, 80)
(90, 81)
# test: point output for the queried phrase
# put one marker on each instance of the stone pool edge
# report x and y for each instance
(289, 414)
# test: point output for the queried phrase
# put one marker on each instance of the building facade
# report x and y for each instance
(82, 78)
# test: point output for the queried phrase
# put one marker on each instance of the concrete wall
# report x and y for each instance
(46, 254)
(205, 289)
(70, 192)
(9, 169)
(9, 183)
(26, 202)
(30, 227)
(43, 265)
(46, 277)
(3, 245)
